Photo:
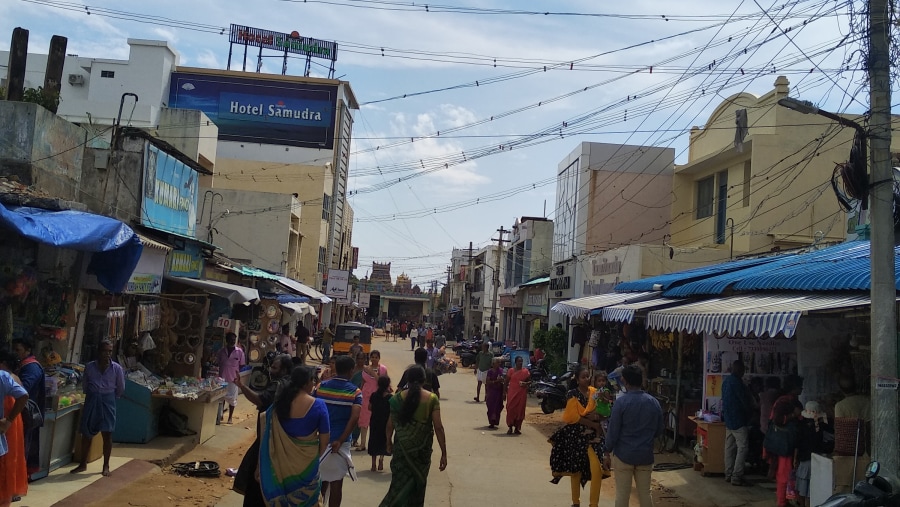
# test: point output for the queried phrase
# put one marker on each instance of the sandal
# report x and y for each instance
(509, 431)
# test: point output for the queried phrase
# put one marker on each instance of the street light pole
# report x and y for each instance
(885, 422)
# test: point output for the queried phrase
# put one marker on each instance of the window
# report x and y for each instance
(107, 73)
(326, 207)
(706, 189)
(721, 206)
(321, 267)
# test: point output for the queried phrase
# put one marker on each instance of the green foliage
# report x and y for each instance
(553, 342)
(37, 96)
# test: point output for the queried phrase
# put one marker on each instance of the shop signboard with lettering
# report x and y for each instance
(169, 201)
(336, 285)
(535, 301)
(186, 262)
(254, 110)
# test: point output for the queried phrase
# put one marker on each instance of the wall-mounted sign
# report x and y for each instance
(259, 110)
(169, 200)
(535, 303)
(187, 262)
(143, 283)
(364, 299)
(336, 285)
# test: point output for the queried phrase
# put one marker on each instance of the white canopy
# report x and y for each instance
(235, 294)
(303, 289)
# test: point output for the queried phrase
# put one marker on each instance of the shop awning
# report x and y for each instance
(580, 307)
(115, 246)
(751, 315)
(625, 312)
(536, 281)
(303, 289)
(290, 298)
(235, 294)
(253, 272)
(301, 308)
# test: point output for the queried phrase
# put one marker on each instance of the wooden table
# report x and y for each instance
(712, 450)
(201, 411)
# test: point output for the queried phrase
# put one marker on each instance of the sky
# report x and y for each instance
(468, 107)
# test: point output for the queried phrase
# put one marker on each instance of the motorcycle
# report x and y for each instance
(871, 492)
(259, 375)
(552, 392)
(538, 373)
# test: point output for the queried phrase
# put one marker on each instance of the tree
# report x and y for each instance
(553, 342)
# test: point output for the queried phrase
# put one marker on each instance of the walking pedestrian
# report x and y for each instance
(737, 410)
(494, 393)
(230, 359)
(416, 419)
(786, 414)
(573, 453)
(104, 382)
(302, 335)
(327, 340)
(517, 380)
(636, 420)
(483, 361)
(413, 337)
(380, 408)
(344, 402)
(13, 470)
(31, 374)
(370, 376)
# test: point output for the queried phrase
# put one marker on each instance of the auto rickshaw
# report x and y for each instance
(344, 334)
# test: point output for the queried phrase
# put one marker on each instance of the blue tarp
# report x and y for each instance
(115, 246)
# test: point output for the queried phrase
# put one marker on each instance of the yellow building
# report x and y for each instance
(771, 191)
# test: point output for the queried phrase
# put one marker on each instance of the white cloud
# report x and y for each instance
(208, 59)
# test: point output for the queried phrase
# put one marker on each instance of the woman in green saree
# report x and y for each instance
(295, 433)
(416, 418)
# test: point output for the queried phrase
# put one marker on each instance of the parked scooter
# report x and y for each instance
(552, 392)
(873, 491)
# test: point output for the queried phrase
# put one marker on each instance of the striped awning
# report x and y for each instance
(751, 315)
(577, 308)
(625, 312)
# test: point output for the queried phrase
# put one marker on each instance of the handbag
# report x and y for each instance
(780, 440)
(32, 418)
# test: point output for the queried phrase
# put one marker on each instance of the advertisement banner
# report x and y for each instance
(336, 286)
(260, 111)
(169, 200)
(143, 283)
(364, 299)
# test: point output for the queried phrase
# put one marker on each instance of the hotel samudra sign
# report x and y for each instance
(276, 110)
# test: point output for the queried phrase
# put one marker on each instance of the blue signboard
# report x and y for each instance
(169, 193)
(260, 110)
(186, 262)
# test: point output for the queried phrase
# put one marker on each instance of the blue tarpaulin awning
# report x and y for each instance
(115, 246)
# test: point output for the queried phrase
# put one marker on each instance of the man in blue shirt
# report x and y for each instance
(344, 402)
(737, 409)
(636, 420)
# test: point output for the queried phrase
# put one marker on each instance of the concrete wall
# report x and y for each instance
(191, 132)
(41, 149)
(249, 230)
(96, 99)
(628, 195)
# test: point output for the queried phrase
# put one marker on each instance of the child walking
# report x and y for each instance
(379, 404)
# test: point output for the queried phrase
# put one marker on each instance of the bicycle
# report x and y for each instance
(315, 348)
(666, 442)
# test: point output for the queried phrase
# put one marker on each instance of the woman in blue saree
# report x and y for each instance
(295, 433)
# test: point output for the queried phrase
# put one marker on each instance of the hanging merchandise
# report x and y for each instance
(148, 317)
(147, 342)
(115, 319)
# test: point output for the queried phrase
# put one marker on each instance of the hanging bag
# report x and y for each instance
(781, 440)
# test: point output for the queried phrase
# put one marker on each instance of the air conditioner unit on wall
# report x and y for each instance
(76, 79)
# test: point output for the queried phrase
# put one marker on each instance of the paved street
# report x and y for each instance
(484, 467)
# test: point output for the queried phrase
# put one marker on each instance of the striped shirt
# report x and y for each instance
(339, 396)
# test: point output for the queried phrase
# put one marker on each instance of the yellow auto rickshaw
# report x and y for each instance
(344, 334)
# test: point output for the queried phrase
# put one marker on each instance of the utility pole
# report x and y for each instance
(502, 231)
(466, 296)
(884, 394)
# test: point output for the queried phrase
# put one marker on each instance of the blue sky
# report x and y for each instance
(598, 86)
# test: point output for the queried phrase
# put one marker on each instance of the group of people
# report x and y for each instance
(499, 386)
(22, 390)
(417, 332)
(792, 431)
(602, 433)
(307, 424)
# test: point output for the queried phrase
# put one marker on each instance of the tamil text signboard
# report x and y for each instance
(288, 42)
(263, 111)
